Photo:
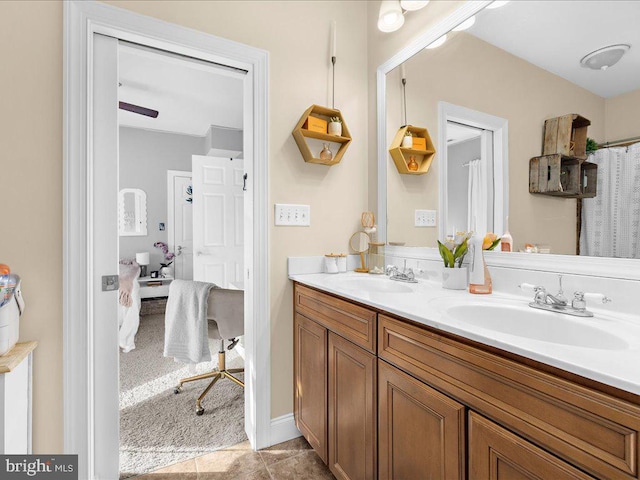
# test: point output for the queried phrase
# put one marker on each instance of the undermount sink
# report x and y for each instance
(373, 285)
(523, 321)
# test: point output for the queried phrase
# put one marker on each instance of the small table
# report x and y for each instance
(16, 373)
(153, 291)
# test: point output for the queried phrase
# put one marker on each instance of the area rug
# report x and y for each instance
(159, 428)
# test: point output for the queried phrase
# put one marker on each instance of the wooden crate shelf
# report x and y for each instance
(301, 134)
(401, 156)
(566, 135)
(562, 176)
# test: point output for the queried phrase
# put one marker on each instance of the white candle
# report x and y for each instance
(333, 39)
(403, 72)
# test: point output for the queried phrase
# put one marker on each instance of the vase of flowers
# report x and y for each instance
(165, 267)
(453, 251)
(335, 126)
(407, 140)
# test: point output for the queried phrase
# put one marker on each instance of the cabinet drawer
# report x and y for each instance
(594, 431)
(497, 454)
(355, 323)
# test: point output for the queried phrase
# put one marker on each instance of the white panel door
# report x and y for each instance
(182, 242)
(218, 219)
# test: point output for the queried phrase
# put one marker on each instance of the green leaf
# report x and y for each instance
(460, 252)
(446, 255)
(494, 244)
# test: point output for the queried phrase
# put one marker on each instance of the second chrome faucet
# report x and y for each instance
(558, 302)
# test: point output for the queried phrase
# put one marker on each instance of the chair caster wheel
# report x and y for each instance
(177, 390)
(199, 411)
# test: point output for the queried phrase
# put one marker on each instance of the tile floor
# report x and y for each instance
(292, 460)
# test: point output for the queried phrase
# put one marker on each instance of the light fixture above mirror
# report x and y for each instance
(391, 15)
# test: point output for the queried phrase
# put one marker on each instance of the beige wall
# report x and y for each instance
(297, 36)
(469, 72)
(622, 118)
(31, 188)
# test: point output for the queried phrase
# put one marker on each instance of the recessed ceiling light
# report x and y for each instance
(604, 58)
(466, 24)
(497, 4)
(438, 42)
(413, 5)
(390, 17)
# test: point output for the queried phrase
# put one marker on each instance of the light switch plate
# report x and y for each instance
(292, 215)
(110, 282)
(425, 218)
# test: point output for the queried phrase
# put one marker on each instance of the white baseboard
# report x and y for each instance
(282, 429)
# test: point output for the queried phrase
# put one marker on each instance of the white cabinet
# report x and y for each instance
(159, 287)
(15, 399)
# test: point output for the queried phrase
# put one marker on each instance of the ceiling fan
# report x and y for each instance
(129, 107)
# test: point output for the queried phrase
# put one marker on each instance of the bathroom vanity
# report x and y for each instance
(382, 395)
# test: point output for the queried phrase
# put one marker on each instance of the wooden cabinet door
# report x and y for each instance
(497, 454)
(352, 410)
(421, 431)
(310, 382)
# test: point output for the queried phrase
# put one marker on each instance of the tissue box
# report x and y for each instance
(315, 124)
(419, 143)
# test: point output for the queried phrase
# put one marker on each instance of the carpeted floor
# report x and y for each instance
(159, 428)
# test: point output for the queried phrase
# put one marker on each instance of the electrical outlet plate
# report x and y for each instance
(425, 218)
(292, 215)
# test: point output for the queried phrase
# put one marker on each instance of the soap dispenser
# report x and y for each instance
(479, 278)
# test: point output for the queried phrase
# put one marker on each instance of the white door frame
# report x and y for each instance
(81, 382)
(171, 175)
(500, 128)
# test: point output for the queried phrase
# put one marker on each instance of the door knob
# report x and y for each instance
(178, 250)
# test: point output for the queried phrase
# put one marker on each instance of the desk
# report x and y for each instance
(148, 291)
(15, 399)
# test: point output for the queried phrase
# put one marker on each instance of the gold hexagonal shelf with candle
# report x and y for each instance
(311, 126)
(422, 151)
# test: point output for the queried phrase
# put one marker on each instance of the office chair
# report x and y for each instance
(225, 313)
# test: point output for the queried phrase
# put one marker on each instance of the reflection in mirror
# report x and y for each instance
(132, 212)
(521, 63)
(359, 243)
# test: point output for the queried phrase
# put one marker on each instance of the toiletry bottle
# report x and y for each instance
(506, 242)
(412, 165)
(479, 278)
(326, 155)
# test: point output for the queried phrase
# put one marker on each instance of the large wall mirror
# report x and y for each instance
(484, 96)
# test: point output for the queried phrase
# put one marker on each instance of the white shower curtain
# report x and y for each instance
(611, 220)
(477, 198)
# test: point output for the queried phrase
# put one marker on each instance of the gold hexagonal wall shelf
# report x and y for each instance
(402, 156)
(300, 135)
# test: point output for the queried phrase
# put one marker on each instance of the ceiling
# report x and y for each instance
(457, 133)
(191, 95)
(555, 35)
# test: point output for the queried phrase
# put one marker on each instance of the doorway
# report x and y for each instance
(476, 147)
(90, 400)
(174, 113)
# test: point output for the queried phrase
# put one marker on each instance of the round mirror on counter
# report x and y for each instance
(359, 243)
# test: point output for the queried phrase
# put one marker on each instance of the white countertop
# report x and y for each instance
(618, 368)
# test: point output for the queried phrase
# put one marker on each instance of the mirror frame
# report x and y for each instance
(140, 212)
(620, 268)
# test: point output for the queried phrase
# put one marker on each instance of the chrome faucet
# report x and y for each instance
(406, 275)
(558, 303)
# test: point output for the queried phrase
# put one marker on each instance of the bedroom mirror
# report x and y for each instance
(132, 212)
(484, 96)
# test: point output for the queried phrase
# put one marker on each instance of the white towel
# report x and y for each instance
(185, 322)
